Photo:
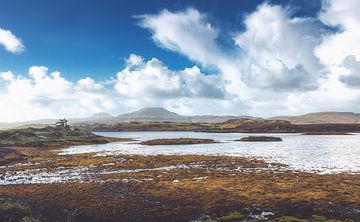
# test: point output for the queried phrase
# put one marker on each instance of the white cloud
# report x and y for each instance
(134, 60)
(271, 35)
(280, 64)
(277, 50)
(10, 41)
(7, 76)
(352, 75)
(49, 95)
(142, 83)
(186, 32)
(154, 80)
(343, 15)
(190, 33)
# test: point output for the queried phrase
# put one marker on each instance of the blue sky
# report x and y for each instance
(88, 37)
(73, 58)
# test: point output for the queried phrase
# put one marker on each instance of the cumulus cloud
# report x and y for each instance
(154, 80)
(49, 95)
(44, 94)
(7, 76)
(276, 57)
(190, 33)
(277, 49)
(186, 32)
(11, 43)
(352, 66)
(343, 16)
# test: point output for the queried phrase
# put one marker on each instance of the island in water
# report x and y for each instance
(261, 139)
(177, 141)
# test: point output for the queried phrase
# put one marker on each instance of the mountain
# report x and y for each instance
(159, 114)
(156, 114)
(322, 118)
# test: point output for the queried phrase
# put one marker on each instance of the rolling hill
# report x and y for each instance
(159, 114)
(322, 118)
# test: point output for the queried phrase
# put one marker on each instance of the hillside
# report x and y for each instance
(150, 114)
(323, 118)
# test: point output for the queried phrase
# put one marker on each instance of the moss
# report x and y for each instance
(232, 216)
(290, 219)
(13, 212)
(30, 219)
(317, 218)
(332, 220)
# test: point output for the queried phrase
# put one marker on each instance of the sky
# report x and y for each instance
(73, 58)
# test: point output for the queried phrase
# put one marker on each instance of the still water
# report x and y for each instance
(321, 154)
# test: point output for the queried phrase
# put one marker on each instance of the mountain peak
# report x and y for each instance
(152, 112)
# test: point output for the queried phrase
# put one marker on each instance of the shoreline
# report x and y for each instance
(181, 188)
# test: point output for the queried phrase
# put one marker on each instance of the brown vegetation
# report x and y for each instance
(177, 141)
(211, 185)
(260, 139)
(236, 125)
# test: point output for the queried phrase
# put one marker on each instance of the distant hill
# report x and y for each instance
(149, 114)
(322, 118)
(159, 114)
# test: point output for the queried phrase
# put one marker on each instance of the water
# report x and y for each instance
(320, 153)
